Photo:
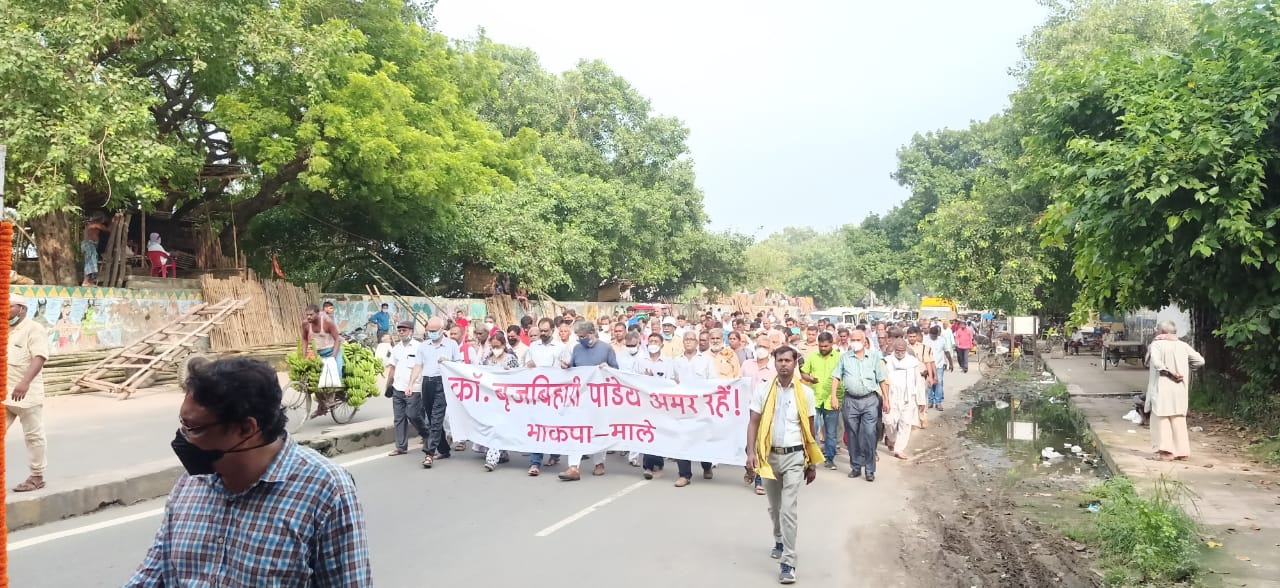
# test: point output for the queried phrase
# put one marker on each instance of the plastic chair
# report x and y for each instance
(158, 266)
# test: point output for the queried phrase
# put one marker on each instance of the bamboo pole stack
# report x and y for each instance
(113, 266)
(252, 326)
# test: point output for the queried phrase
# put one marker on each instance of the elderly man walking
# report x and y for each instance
(24, 390)
(432, 352)
(406, 405)
(1171, 361)
(782, 448)
(860, 375)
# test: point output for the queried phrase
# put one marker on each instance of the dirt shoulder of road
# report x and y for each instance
(978, 525)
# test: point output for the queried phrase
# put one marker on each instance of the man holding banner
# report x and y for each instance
(689, 367)
(589, 352)
(782, 448)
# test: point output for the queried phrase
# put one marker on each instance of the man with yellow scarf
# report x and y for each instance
(781, 447)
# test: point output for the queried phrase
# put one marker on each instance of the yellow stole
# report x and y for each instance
(764, 435)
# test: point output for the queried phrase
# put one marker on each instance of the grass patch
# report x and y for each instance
(1014, 374)
(1143, 541)
(1221, 395)
(1268, 450)
(1057, 391)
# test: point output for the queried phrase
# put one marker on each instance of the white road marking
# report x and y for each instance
(124, 520)
(590, 509)
(16, 545)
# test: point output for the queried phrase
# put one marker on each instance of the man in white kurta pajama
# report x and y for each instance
(1170, 362)
(906, 397)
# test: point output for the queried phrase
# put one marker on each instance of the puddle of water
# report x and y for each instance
(1025, 426)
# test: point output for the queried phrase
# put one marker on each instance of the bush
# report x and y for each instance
(1145, 540)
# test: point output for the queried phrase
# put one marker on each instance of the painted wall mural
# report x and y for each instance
(88, 319)
(83, 319)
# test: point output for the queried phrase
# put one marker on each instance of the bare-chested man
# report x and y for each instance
(320, 334)
(89, 247)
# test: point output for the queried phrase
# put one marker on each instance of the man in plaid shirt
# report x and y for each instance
(255, 509)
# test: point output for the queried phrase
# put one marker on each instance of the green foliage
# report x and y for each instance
(843, 267)
(607, 192)
(1144, 540)
(1159, 162)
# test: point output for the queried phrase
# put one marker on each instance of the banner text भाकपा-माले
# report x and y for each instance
(590, 409)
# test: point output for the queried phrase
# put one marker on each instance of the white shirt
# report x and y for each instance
(786, 416)
(403, 356)
(630, 363)
(661, 367)
(544, 354)
(940, 349)
(690, 369)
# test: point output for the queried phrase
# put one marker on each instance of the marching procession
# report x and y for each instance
(815, 388)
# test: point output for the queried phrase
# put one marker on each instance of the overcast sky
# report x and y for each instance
(795, 109)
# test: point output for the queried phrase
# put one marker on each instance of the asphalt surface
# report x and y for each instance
(93, 433)
(459, 525)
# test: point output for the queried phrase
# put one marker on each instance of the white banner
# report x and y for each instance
(586, 410)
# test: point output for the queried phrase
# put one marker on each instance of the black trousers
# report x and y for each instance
(653, 462)
(433, 404)
(686, 467)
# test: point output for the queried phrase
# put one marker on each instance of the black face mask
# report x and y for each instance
(545, 338)
(199, 462)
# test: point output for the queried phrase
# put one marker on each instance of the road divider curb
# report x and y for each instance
(87, 494)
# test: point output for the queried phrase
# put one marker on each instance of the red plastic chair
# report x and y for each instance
(159, 268)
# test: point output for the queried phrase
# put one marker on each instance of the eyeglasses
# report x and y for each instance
(188, 430)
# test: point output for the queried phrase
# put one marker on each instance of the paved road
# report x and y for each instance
(94, 433)
(458, 525)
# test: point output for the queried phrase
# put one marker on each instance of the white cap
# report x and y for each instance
(17, 299)
(669, 321)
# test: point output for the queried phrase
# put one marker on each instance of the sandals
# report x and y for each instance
(489, 467)
(759, 490)
(31, 483)
(395, 452)
(553, 460)
(427, 461)
(460, 446)
(534, 471)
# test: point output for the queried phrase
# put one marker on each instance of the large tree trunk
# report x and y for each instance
(1217, 357)
(55, 246)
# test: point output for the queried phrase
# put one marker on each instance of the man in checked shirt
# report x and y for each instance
(254, 509)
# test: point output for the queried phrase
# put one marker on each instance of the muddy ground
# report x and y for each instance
(989, 511)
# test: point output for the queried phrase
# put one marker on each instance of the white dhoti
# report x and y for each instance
(906, 396)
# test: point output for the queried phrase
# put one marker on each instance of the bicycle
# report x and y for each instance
(297, 405)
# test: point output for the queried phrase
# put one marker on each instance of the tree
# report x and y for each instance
(1162, 166)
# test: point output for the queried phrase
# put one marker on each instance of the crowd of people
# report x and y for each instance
(728, 345)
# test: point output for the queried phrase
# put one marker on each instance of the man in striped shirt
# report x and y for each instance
(255, 508)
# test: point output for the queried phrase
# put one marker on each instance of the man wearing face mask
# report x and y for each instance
(656, 364)
(222, 523)
(432, 352)
(587, 353)
(544, 351)
(671, 347)
(632, 353)
(406, 406)
(725, 360)
(860, 376)
(690, 367)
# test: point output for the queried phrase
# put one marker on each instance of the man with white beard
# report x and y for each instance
(906, 396)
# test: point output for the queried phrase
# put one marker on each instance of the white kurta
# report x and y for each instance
(906, 396)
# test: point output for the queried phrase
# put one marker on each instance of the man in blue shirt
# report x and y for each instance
(254, 508)
(589, 352)
(860, 376)
(383, 319)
